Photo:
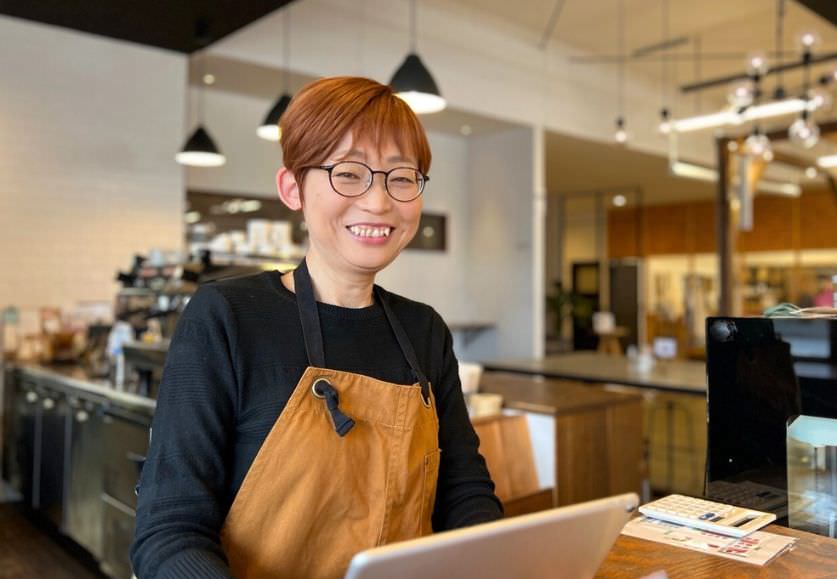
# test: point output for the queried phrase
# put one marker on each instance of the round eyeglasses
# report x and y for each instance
(353, 179)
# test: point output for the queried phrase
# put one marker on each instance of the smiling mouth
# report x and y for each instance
(370, 231)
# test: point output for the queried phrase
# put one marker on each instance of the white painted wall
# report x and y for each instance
(582, 224)
(88, 131)
(433, 277)
(231, 120)
(503, 224)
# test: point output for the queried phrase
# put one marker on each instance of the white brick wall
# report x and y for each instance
(88, 131)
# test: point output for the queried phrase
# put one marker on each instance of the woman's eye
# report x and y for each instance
(347, 175)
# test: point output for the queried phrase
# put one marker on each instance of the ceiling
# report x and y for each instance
(723, 32)
(169, 25)
(575, 166)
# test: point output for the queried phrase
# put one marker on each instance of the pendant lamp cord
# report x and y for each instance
(286, 46)
(664, 59)
(698, 71)
(621, 37)
(413, 47)
(780, 38)
(201, 63)
(202, 40)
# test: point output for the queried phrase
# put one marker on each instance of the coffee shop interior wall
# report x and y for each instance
(88, 127)
(96, 183)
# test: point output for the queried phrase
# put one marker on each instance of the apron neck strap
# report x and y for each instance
(313, 335)
(309, 316)
(403, 342)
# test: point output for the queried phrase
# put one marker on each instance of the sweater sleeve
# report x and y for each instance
(182, 495)
(465, 493)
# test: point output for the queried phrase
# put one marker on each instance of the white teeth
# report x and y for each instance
(365, 231)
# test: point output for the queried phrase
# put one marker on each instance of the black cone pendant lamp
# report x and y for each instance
(200, 150)
(413, 82)
(269, 129)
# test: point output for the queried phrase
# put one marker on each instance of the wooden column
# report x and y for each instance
(724, 234)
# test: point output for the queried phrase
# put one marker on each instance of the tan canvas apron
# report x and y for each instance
(350, 463)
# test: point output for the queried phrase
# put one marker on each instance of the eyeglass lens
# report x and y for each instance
(352, 179)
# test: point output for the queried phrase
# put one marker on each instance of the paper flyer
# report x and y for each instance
(757, 548)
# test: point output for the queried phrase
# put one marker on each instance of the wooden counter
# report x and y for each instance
(684, 376)
(598, 433)
(812, 557)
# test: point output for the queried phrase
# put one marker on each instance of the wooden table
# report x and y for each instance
(684, 376)
(598, 433)
(813, 557)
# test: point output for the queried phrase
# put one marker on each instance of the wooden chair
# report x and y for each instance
(507, 449)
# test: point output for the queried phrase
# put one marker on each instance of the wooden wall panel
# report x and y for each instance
(818, 220)
(664, 229)
(623, 229)
(772, 225)
(780, 224)
(702, 217)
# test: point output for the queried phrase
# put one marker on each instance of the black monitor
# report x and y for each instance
(766, 375)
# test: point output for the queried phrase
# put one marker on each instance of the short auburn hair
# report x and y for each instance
(323, 111)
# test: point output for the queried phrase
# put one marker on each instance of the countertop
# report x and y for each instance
(685, 376)
(550, 396)
(69, 377)
(813, 556)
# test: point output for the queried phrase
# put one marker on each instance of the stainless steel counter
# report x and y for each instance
(74, 446)
(73, 379)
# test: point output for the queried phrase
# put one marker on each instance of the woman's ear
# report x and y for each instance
(288, 188)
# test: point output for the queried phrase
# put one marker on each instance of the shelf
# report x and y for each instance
(470, 330)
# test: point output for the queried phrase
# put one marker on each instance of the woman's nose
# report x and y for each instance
(377, 198)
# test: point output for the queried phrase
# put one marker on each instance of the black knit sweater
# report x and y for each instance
(234, 360)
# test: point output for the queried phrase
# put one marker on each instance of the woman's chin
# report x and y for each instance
(370, 261)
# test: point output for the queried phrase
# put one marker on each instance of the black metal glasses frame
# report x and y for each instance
(422, 179)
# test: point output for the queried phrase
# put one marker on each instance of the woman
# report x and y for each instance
(305, 417)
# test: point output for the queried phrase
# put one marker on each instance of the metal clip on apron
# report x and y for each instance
(351, 463)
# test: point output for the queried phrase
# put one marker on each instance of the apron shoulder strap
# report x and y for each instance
(309, 316)
(313, 336)
(403, 342)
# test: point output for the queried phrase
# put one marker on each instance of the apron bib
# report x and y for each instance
(351, 463)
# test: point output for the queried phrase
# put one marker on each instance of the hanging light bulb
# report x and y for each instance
(757, 64)
(665, 121)
(740, 94)
(819, 98)
(757, 144)
(620, 135)
(806, 41)
(804, 131)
